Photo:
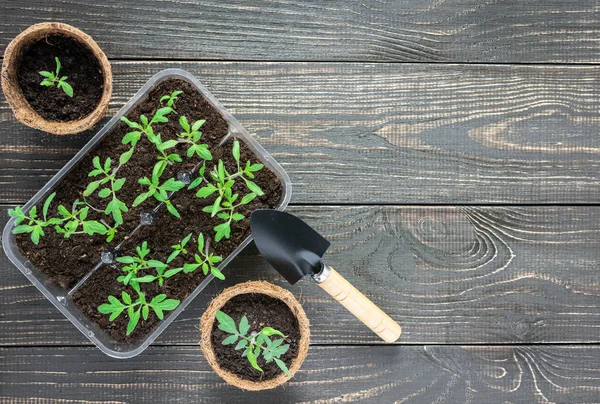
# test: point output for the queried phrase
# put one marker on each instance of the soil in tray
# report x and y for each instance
(261, 311)
(167, 231)
(79, 65)
(66, 261)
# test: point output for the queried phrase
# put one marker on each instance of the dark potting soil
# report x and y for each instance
(66, 261)
(261, 311)
(167, 231)
(79, 65)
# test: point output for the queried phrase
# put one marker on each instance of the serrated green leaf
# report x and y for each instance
(134, 318)
(244, 326)
(47, 205)
(222, 230)
(269, 331)
(232, 339)
(107, 163)
(236, 150)
(253, 187)
(24, 228)
(217, 274)
(206, 191)
(66, 87)
(131, 124)
(172, 209)
(145, 312)
(241, 345)
(197, 125)
(104, 193)
(226, 323)
(237, 217)
(92, 186)
(91, 227)
(132, 138)
(252, 360)
(200, 242)
(168, 304)
(124, 158)
(118, 184)
(183, 122)
(248, 198)
(141, 198)
(282, 366)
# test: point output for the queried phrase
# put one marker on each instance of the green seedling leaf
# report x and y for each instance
(226, 323)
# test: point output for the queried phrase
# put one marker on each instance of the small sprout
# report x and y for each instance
(52, 79)
(160, 192)
(191, 136)
(221, 182)
(145, 127)
(76, 222)
(170, 99)
(135, 264)
(164, 158)
(203, 259)
(138, 308)
(30, 223)
(179, 248)
(115, 207)
(254, 345)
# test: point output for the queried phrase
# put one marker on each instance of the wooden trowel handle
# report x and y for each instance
(358, 304)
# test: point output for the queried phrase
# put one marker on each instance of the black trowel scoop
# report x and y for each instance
(295, 249)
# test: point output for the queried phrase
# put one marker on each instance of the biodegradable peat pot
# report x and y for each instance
(78, 273)
(264, 304)
(48, 108)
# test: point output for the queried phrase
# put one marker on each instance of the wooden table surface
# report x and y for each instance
(449, 149)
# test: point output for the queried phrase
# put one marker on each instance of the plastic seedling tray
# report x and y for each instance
(62, 298)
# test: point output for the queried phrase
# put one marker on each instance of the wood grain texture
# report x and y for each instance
(344, 30)
(470, 275)
(381, 133)
(385, 374)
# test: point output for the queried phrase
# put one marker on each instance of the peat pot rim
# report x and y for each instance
(21, 108)
(265, 288)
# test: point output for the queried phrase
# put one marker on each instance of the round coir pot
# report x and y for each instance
(265, 305)
(83, 61)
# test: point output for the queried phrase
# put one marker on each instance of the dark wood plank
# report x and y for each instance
(447, 274)
(415, 31)
(381, 133)
(385, 374)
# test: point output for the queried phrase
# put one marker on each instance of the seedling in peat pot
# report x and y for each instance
(138, 308)
(52, 79)
(254, 344)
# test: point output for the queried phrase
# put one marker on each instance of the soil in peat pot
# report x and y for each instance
(80, 66)
(261, 311)
(167, 231)
(66, 261)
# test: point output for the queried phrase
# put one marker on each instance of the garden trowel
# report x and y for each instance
(295, 249)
